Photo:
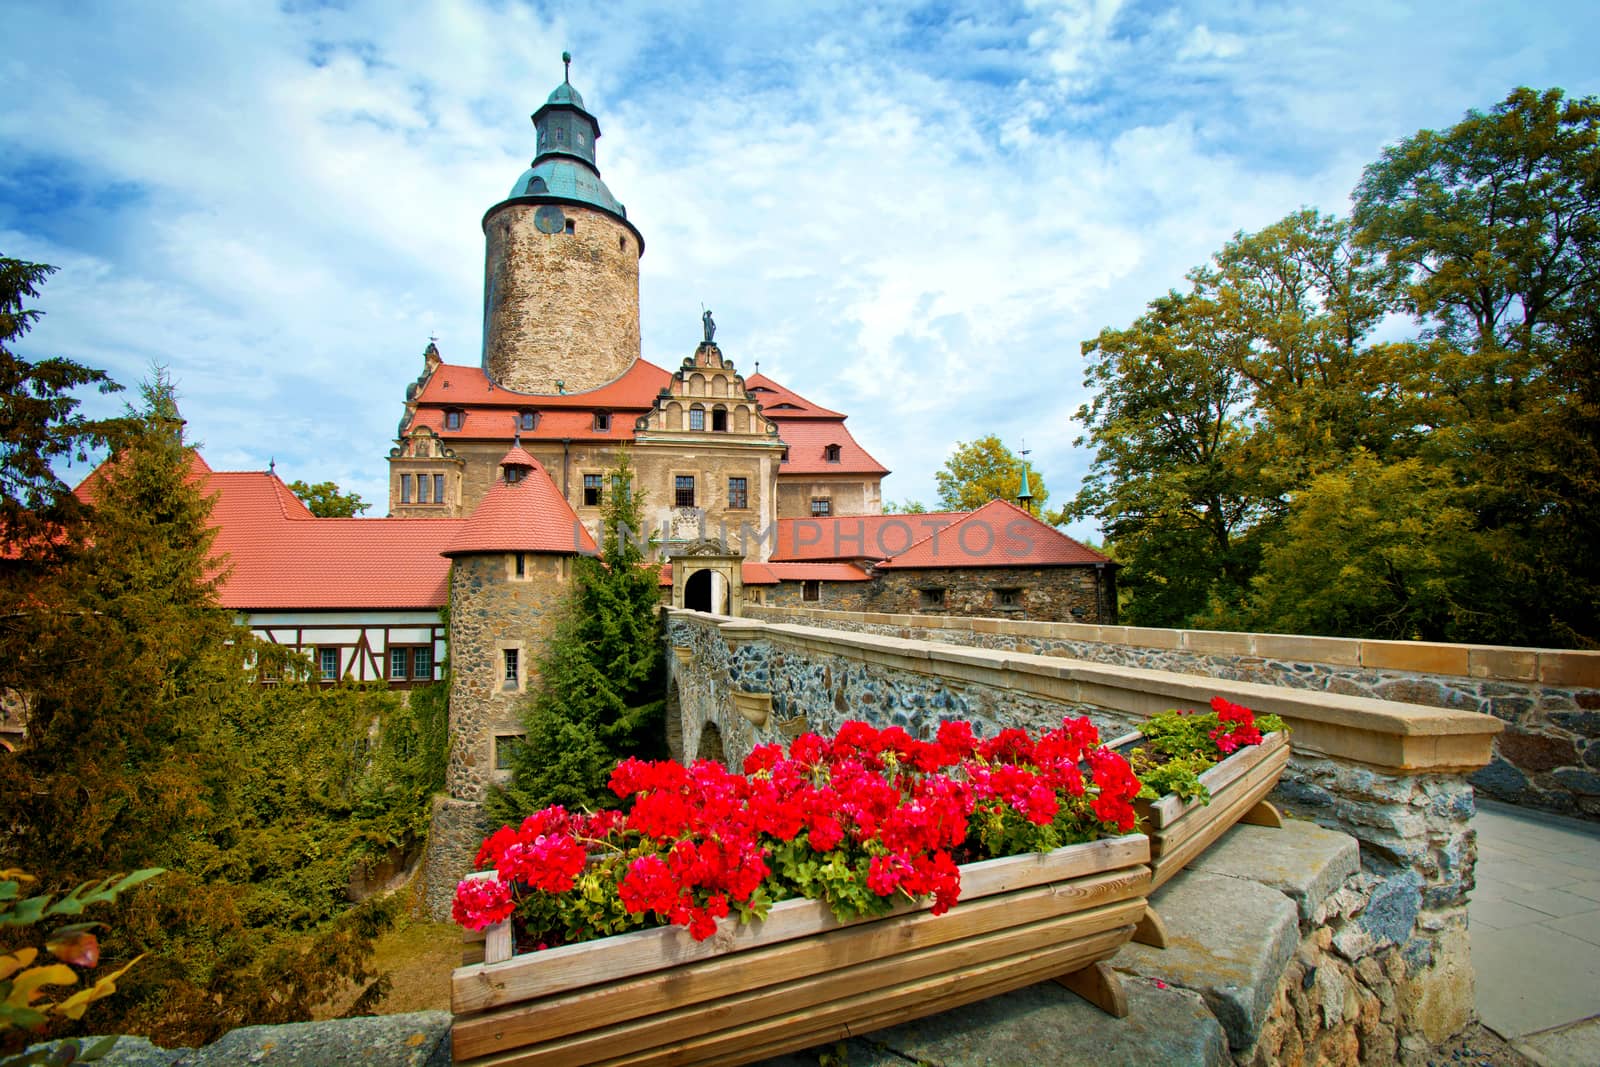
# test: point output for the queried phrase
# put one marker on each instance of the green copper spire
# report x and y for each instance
(1024, 494)
(564, 167)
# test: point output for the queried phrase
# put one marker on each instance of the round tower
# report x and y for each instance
(561, 272)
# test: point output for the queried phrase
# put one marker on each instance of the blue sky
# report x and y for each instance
(912, 213)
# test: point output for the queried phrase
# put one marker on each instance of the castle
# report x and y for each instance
(499, 471)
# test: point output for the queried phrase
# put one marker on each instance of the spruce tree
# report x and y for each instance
(602, 679)
(127, 660)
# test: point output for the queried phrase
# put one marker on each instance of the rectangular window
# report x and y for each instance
(931, 598)
(328, 664)
(619, 487)
(821, 506)
(602, 421)
(683, 490)
(1008, 598)
(522, 565)
(438, 489)
(505, 747)
(452, 420)
(697, 418)
(511, 667)
(405, 489)
(738, 493)
(811, 591)
(591, 490)
(422, 489)
(422, 664)
(399, 669)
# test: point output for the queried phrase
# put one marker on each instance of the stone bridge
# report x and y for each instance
(1392, 774)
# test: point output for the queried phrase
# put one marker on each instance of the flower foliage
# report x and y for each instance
(861, 821)
(1180, 746)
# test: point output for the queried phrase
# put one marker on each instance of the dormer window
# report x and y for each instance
(536, 184)
(454, 418)
(527, 420)
(831, 453)
(602, 421)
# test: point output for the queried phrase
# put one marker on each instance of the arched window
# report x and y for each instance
(536, 185)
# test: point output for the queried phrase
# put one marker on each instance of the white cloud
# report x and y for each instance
(911, 216)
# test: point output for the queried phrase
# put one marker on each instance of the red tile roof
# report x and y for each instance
(780, 403)
(802, 572)
(999, 534)
(281, 558)
(528, 515)
(808, 442)
(843, 537)
(491, 412)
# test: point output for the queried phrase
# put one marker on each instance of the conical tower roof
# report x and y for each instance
(523, 512)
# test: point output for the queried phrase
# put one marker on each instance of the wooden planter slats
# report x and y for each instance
(862, 1013)
(800, 977)
(1181, 829)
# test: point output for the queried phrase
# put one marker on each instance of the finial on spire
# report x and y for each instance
(1024, 493)
(272, 465)
(566, 63)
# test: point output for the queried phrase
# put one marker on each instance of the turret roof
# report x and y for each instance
(526, 515)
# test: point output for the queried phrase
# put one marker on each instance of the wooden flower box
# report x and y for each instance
(1180, 829)
(800, 978)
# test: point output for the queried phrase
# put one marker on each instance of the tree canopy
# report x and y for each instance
(1273, 452)
(326, 501)
(982, 470)
(149, 744)
(40, 424)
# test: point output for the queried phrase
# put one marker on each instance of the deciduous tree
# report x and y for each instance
(982, 470)
(326, 501)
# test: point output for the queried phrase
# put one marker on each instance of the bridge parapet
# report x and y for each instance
(1547, 757)
(1391, 774)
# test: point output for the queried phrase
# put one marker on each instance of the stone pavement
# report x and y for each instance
(1535, 922)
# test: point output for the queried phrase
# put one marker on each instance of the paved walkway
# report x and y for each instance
(1535, 922)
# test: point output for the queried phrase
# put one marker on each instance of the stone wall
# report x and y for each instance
(1390, 775)
(490, 610)
(1051, 594)
(559, 307)
(1548, 757)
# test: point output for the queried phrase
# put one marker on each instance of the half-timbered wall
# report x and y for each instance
(360, 646)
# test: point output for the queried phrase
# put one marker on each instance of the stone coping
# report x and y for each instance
(1384, 734)
(1545, 666)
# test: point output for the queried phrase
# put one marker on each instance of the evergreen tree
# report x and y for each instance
(40, 424)
(602, 680)
(128, 662)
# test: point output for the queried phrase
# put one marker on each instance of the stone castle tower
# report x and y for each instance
(561, 272)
